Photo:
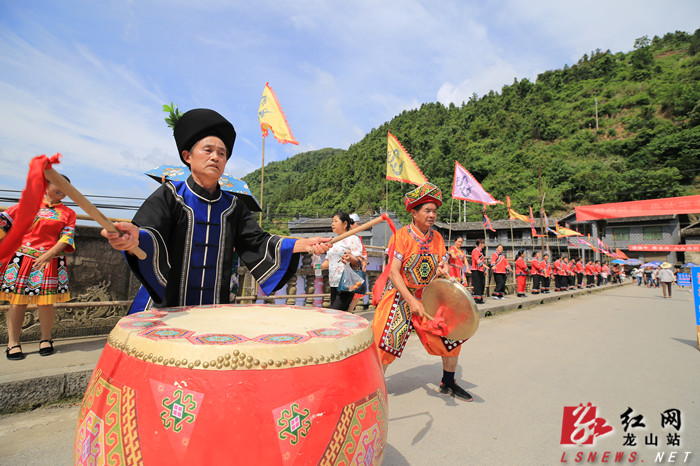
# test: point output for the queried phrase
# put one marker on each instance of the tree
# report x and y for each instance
(695, 43)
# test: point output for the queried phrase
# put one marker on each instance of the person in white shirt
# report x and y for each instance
(348, 250)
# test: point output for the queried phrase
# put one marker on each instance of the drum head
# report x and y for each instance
(459, 310)
(253, 336)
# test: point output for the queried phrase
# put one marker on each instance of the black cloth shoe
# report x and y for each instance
(14, 356)
(47, 350)
(456, 391)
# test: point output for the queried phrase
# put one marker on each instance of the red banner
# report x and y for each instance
(667, 206)
(664, 247)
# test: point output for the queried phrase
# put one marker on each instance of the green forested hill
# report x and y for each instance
(647, 144)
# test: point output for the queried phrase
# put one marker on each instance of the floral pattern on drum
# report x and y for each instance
(179, 408)
(294, 422)
(360, 435)
(112, 438)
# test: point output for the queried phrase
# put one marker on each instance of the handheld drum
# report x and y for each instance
(235, 384)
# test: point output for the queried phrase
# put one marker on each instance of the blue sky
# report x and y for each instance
(89, 78)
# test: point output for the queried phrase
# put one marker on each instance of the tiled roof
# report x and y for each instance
(691, 230)
(497, 224)
(646, 218)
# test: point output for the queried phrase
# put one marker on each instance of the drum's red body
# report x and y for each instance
(235, 384)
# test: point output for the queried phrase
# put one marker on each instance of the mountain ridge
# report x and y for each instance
(646, 144)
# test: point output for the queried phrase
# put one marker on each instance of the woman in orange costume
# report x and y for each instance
(37, 272)
(419, 257)
(458, 262)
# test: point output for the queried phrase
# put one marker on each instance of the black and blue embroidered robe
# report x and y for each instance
(189, 236)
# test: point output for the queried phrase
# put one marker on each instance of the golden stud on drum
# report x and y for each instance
(235, 384)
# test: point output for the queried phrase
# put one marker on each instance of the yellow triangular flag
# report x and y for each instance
(513, 214)
(272, 117)
(399, 164)
(562, 231)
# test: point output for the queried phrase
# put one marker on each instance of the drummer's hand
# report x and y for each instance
(127, 241)
(416, 307)
(443, 269)
(313, 245)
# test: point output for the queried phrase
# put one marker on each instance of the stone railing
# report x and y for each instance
(99, 274)
(313, 291)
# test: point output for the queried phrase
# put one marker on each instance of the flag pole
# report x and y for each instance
(262, 180)
(449, 236)
(512, 245)
(558, 242)
(486, 245)
(558, 248)
(386, 195)
(542, 194)
(386, 202)
(485, 237)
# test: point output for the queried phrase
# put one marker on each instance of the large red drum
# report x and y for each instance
(235, 384)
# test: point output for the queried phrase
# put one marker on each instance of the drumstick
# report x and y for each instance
(61, 183)
(363, 227)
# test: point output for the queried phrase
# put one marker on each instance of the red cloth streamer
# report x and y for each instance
(437, 326)
(29, 204)
(380, 284)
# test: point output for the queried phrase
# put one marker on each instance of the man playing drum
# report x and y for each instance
(189, 229)
(419, 257)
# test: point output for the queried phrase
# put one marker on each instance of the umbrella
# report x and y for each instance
(690, 264)
(617, 261)
(227, 182)
(633, 262)
(652, 264)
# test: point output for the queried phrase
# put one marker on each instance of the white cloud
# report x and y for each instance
(579, 28)
(71, 101)
(91, 82)
(485, 80)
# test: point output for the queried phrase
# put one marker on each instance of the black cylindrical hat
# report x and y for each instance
(199, 123)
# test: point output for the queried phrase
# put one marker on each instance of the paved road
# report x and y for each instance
(618, 349)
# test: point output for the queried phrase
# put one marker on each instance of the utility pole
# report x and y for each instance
(596, 114)
(542, 230)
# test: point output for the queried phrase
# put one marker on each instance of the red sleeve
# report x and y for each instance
(476, 255)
